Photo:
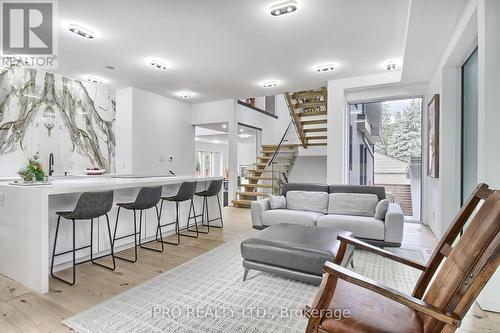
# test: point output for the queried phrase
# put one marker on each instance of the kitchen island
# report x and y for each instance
(28, 221)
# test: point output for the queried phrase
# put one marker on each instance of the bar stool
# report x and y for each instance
(213, 190)
(147, 198)
(186, 193)
(90, 205)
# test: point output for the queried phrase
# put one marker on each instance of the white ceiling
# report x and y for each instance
(225, 48)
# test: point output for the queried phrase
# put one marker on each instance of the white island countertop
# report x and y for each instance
(27, 219)
(76, 184)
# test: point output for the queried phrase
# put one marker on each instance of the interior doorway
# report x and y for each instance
(211, 152)
(249, 139)
(385, 149)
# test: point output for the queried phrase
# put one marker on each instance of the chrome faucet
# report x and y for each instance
(51, 164)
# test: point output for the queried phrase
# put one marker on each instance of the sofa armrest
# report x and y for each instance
(394, 223)
(258, 207)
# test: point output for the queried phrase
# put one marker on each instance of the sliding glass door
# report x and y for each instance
(385, 146)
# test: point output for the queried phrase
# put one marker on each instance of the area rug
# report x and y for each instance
(207, 294)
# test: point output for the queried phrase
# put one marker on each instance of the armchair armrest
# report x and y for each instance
(394, 224)
(258, 207)
(385, 291)
(386, 254)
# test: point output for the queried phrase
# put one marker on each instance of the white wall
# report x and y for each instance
(124, 131)
(160, 128)
(308, 169)
(478, 26)
(489, 118)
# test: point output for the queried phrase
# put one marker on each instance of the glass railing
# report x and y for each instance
(283, 158)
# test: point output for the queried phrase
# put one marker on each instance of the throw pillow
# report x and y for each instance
(307, 200)
(381, 209)
(277, 201)
(359, 204)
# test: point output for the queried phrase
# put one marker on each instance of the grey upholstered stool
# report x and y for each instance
(212, 191)
(186, 193)
(90, 205)
(147, 198)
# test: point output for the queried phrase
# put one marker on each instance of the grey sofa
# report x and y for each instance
(386, 232)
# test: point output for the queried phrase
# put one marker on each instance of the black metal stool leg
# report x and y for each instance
(191, 206)
(72, 282)
(218, 218)
(92, 259)
(141, 244)
(203, 218)
(135, 238)
(176, 224)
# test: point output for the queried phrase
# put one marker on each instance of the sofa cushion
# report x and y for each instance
(305, 200)
(381, 209)
(377, 190)
(277, 201)
(360, 226)
(352, 204)
(275, 216)
(303, 187)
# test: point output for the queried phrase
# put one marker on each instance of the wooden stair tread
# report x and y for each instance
(288, 145)
(317, 144)
(318, 137)
(307, 105)
(313, 122)
(258, 178)
(253, 194)
(312, 113)
(240, 202)
(308, 94)
(321, 129)
(257, 185)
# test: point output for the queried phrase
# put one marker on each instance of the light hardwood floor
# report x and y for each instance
(22, 310)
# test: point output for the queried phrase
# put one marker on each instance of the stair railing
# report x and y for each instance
(283, 158)
(296, 120)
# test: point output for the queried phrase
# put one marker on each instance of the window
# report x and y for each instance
(206, 164)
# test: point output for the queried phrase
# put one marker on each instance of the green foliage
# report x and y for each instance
(34, 170)
(388, 130)
(401, 136)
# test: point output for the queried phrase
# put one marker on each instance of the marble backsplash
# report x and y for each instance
(47, 113)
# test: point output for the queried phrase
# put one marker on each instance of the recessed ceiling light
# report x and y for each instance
(283, 8)
(224, 126)
(270, 84)
(93, 79)
(186, 95)
(80, 31)
(241, 130)
(157, 64)
(324, 68)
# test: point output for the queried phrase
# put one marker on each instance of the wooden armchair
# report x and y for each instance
(436, 306)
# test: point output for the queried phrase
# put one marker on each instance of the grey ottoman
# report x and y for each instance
(295, 251)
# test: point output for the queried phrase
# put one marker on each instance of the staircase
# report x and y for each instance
(266, 177)
(309, 113)
(308, 110)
